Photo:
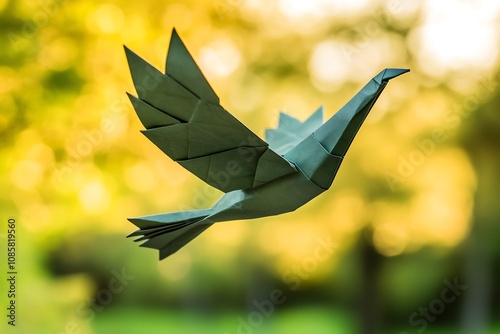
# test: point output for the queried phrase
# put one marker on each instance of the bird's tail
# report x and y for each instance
(171, 231)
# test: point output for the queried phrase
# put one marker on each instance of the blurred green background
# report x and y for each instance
(404, 242)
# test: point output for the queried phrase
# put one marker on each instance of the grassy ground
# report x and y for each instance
(296, 321)
(300, 321)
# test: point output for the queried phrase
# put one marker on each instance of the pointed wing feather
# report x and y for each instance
(291, 131)
(183, 117)
(181, 66)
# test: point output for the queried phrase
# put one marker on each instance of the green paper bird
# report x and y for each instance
(183, 117)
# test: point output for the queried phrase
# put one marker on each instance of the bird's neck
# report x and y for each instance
(337, 134)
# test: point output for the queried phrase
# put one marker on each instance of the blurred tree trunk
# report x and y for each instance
(481, 139)
(478, 248)
(369, 298)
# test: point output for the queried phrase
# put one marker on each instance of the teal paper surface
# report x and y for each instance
(183, 117)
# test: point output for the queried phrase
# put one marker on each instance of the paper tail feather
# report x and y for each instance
(169, 232)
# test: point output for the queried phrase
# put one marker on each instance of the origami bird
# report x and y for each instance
(183, 117)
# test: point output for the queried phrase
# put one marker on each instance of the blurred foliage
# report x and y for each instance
(415, 203)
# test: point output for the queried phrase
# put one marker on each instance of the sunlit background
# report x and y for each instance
(414, 209)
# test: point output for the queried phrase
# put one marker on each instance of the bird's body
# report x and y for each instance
(276, 197)
(282, 195)
(183, 118)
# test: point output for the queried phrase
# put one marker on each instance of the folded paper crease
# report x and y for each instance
(183, 117)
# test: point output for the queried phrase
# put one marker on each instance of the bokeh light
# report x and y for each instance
(457, 35)
(414, 203)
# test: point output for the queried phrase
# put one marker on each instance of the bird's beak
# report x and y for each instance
(389, 73)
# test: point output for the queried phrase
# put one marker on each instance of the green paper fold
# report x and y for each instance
(182, 116)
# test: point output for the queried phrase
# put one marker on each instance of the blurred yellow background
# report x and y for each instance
(413, 208)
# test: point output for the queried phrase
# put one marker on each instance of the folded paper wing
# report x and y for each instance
(183, 117)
